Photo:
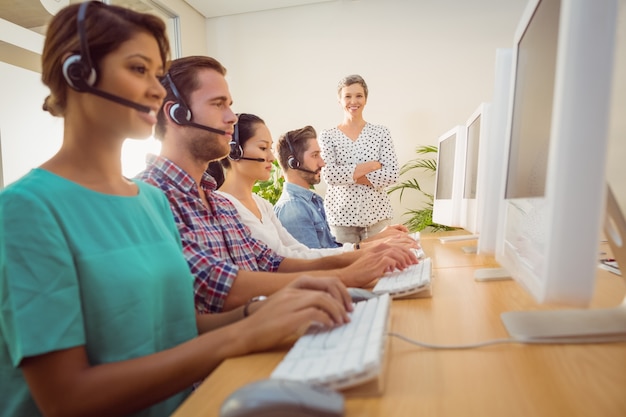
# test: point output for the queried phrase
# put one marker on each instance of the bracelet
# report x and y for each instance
(357, 246)
(246, 308)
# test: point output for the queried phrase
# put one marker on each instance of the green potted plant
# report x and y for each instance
(420, 218)
(273, 187)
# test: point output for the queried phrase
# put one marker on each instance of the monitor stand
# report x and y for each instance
(568, 326)
(491, 274)
(457, 238)
(583, 325)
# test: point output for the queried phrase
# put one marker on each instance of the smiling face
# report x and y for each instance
(132, 72)
(352, 99)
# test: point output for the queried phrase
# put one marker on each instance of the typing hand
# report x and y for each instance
(376, 261)
(306, 301)
(401, 240)
(389, 231)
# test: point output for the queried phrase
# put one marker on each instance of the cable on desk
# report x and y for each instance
(545, 341)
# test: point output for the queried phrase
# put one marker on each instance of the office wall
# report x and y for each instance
(192, 27)
(428, 65)
(29, 135)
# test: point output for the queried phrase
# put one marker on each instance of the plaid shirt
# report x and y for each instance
(215, 242)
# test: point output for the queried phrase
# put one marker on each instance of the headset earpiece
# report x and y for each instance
(77, 69)
(78, 74)
(180, 113)
(292, 161)
(236, 152)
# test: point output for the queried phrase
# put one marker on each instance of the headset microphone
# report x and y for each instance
(80, 73)
(253, 159)
(306, 170)
(117, 99)
(203, 127)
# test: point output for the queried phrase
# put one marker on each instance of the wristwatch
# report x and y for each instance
(246, 308)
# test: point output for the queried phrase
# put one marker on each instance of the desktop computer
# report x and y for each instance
(449, 177)
(555, 193)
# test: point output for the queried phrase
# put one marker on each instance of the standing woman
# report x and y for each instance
(361, 163)
(97, 312)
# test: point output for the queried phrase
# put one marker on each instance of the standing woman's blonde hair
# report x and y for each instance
(106, 28)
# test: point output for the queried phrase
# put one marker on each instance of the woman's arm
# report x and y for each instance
(334, 173)
(363, 169)
(64, 383)
(388, 173)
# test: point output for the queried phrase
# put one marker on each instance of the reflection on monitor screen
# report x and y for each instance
(471, 159)
(532, 107)
(557, 144)
(448, 187)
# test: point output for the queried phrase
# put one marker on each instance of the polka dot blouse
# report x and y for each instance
(346, 202)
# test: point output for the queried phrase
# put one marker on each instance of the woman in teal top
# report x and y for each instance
(96, 299)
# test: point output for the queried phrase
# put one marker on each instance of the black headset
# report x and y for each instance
(180, 111)
(292, 160)
(236, 151)
(78, 69)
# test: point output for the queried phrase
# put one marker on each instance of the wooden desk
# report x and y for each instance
(502, 380)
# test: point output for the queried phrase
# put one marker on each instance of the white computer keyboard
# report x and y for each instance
(410, 281)
(344, 356)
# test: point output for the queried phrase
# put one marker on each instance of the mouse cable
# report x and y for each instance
(542, 341)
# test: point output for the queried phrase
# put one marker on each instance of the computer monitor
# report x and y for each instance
(555, 186)
(476, 143)
(449, 177)
(493, 166)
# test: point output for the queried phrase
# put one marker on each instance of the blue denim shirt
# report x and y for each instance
(301, 212)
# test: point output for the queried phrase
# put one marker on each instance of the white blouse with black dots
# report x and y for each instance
(346, 202)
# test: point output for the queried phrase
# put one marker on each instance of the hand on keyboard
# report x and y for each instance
(374, 262)
(293, 308)
(407, 282)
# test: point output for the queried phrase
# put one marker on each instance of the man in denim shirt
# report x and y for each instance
(299, 208)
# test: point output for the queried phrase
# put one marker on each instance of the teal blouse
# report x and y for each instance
(82, 268)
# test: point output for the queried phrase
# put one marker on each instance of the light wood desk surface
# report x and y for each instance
(501, 380)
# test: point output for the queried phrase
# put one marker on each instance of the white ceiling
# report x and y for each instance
(216, 8)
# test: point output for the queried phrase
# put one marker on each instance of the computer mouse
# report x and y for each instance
(282, 398)
(360, 294)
